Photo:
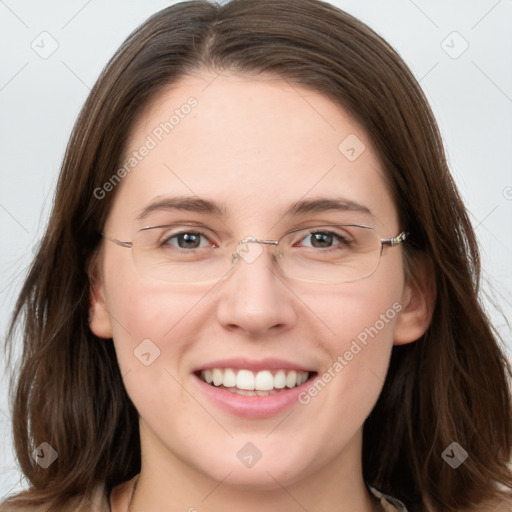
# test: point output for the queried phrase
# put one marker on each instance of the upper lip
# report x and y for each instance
(253, 364)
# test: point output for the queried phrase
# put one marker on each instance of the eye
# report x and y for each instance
(186, 240)
(326, 239)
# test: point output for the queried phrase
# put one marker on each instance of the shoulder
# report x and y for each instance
(8, 506)
(494, 506)
(390, 504)
(95, 501)
(120, 495)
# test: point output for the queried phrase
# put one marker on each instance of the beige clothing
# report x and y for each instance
(99, 501)
(388, 503)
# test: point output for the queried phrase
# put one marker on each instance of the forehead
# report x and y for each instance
(255, 145)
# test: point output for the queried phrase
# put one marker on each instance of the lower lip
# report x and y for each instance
(252, 406)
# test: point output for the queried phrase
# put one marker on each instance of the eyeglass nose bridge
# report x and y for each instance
(247, 257)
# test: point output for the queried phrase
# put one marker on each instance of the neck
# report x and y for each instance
(171, 485)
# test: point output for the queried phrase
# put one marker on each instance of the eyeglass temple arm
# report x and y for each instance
(117, 242)
(397, 240)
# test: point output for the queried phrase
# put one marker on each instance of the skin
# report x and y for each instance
(256, 144)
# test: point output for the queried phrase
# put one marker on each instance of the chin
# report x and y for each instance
(264, 479)
(269, 473)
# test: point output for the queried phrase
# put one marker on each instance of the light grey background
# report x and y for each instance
(471, 95)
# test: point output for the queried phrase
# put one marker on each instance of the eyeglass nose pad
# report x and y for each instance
(249, 249)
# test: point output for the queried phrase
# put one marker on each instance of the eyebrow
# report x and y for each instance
(301, 207)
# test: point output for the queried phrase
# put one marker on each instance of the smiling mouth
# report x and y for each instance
(249, 383)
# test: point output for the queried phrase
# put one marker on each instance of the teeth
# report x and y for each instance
(291, 379)
(229, 379)
(264, 381)
(249, 383)
(280, 379)
(244, 380)
(217, 377)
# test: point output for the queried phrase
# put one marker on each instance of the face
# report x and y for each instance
(254, 146)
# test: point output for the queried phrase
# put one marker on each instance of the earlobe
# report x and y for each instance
(99, 318)
(418, 302)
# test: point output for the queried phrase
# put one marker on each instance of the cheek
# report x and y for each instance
(152, 331)
(149, 321)
(360, 318)
(363, 339)
(359, 312)
(363, 352)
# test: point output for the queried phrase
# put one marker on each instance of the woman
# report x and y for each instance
(258, 286)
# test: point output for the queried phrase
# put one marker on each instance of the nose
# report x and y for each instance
(256, 298)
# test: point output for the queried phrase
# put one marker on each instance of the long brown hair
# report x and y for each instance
(449, 386)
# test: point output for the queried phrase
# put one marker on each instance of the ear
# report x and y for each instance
(99, 318)
(418, 300)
